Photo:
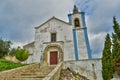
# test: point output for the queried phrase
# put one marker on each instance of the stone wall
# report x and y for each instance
(90, 68)
(4, 75)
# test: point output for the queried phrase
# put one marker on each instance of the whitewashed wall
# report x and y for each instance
(92, 69)
(64, 33)
(30, 48)
(82, 49)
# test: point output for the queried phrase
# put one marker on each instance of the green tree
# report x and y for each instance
(106, 59)
(22, 54)
(116, 46)
(116, 28)
(4, 47)
(13, 52)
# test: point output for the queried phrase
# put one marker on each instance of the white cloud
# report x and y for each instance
(17, 44)
(101, 18)
(97, 43)
(19, 17)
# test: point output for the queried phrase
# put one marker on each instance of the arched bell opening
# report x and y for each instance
(76, 22)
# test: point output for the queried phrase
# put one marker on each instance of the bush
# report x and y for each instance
(21, 54)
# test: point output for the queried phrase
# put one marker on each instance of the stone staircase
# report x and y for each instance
(33, 74)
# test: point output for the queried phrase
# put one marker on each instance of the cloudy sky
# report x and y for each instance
(19, 17)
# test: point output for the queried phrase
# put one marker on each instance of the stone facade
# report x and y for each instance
(64, 40)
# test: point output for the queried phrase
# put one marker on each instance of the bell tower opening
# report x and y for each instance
(76, 22)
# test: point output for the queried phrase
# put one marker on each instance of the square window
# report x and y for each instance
(53, 37)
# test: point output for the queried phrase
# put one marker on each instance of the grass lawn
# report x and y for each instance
(6, 65)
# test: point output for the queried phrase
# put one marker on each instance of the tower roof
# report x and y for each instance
(75, 9)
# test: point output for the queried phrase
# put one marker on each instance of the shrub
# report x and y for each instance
(21, 54)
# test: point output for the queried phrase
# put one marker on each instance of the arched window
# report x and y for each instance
(77, 22)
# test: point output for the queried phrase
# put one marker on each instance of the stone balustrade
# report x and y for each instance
(54, 74)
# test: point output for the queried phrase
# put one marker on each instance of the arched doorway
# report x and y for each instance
(53, 54)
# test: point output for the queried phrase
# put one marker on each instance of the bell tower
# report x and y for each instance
(80, 37)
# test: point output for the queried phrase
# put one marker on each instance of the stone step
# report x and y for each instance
(31, 76)
(45, 70)
(39, 70)
(26, 79)
(23, 74)
(36, 72)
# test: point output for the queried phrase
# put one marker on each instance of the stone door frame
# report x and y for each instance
(46, 52)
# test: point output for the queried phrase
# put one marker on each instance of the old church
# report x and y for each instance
(58, 41)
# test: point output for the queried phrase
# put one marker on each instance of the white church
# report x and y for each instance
(59, 41)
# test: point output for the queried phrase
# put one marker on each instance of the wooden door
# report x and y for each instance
(53, 57)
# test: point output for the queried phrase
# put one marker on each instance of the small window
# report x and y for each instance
(76, 22)
(53, 37)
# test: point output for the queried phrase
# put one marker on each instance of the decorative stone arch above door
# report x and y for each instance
(51, 48)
